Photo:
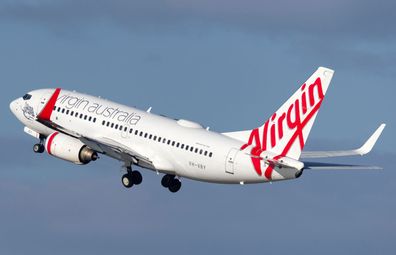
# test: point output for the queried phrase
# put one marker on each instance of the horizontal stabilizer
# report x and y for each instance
(330, 166)
(366, 148)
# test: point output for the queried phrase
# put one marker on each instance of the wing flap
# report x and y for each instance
(117, 150)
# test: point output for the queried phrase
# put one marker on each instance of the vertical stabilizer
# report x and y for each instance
(286, 131)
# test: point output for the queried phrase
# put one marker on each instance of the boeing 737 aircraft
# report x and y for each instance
(77, 127)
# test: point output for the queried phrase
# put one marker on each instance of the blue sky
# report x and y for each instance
(227, 65)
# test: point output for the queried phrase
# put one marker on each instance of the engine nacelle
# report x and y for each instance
(69, 148)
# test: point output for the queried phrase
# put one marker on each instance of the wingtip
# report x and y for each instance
(369, 144)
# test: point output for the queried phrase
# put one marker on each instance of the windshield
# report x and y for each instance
(27, 97)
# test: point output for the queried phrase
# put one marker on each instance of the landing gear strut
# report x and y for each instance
(171, 182)
(131, 178)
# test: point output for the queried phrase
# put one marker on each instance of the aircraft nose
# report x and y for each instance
(14, 106)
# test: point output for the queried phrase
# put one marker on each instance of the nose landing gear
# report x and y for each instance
(38, 148)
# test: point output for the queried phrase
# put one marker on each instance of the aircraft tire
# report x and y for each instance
(174, 185)
(127, 180)
(38, 148)
(136, 177)
(166, 180)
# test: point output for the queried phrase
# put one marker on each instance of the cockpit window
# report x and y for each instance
(27, 97)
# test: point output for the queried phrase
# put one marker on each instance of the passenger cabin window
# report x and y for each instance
(27, 97)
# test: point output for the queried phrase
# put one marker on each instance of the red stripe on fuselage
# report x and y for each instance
(46, 112)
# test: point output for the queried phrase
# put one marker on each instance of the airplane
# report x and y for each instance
(78, 128)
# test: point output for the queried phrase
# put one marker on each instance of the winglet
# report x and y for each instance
(369, 144)
(45, 114)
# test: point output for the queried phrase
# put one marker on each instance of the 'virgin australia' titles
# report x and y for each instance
(74, 102)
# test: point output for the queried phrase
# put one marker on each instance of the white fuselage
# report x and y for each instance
(178, 147)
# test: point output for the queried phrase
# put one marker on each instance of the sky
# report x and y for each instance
(228, 65)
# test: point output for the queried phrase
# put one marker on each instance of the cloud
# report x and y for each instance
(348, 18)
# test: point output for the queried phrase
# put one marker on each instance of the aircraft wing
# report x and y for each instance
(366, 148)
(117, 150)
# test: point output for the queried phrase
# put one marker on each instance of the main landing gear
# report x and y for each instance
(131, 178)
(171, 182)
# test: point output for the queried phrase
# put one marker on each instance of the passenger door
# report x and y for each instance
(230, 160)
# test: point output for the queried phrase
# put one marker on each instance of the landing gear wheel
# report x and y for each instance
(38, 148)
(127, 180)
(136, 177)
(174, 185)
(166, 180)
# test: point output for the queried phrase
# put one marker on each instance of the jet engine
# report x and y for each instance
(69, 148)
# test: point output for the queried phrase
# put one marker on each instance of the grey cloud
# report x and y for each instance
(348, 18)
